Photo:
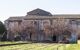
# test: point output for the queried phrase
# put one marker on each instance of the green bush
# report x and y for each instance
(2, 30)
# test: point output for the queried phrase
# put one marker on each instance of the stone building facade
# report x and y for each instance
(39, 25)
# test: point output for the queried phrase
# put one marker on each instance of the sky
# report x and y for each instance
(10, 8)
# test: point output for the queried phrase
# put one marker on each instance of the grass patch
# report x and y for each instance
(41, 46)
(13, 42)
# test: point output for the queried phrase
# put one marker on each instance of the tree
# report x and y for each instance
(14, 31)
(27, 30)
(31, 31)
(58, 28)
(2, 29)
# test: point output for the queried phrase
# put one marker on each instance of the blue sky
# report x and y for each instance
(21, 7)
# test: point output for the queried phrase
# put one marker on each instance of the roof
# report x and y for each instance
(19, 18)
(39, 12)
(42, 14)
(15, 18)
(28, 17)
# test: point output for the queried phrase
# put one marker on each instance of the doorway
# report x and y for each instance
(54, 38)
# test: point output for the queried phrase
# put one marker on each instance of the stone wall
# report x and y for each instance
(40, 28)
